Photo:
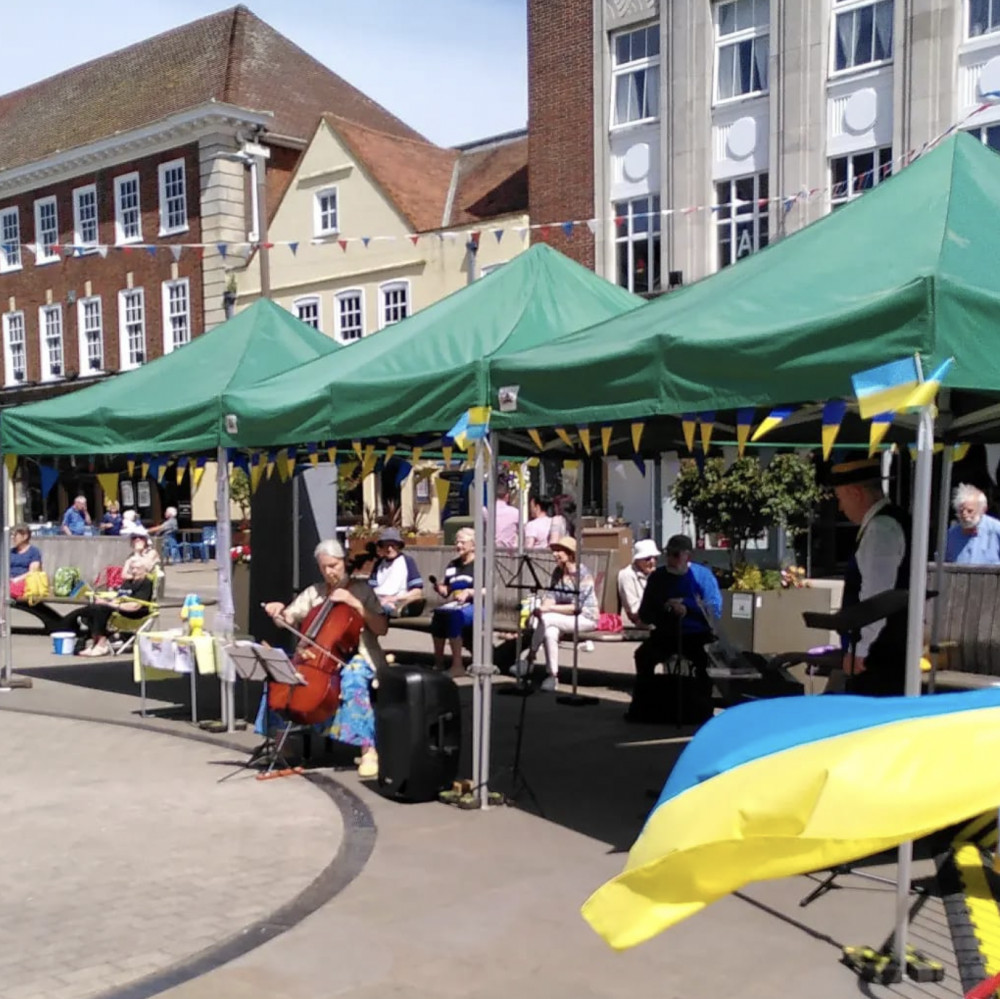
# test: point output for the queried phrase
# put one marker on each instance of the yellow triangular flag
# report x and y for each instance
(109, 485)
(533, 462)
(331, 455)
(179, 469)
(565, 437)
(585, 439)
(313, 455)
(442, 487)
(130, 465)
(876, 434)
(446, 454)
(742, 435)
(417, 452)
(389, 452)
(256, 470)
(281, 460)
(196, 476)
(605, 438)
(959, 451)
(144, 468)
(269, 467)
(706, 435)
(637, 429)
(161, 470)
(536, 437)
(688, 427)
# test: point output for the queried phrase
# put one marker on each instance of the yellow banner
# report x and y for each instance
(585, 439)
(130, 465)
(564, 436)
(536, 438)
(197, 473)
(179, 469)
(446, 454)
(357, 448)
(441, 488)
(637, 429)
(389, 452)
(256, 470)
(331, 455)
(281, 460)
(269, 467)
(605, 438)
(417, 452)
(706, 436)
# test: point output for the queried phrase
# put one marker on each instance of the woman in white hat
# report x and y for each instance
(632, 580)
(569, 607)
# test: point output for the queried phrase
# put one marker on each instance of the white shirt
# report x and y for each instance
(631, 587)
(390, 578)
(880, 552)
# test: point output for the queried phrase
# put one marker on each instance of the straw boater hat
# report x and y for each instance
(567, 544)
(858, 472)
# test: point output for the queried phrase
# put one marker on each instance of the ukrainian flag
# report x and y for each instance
(797, 784)
(888, 388)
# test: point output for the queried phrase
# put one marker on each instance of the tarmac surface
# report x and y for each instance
(130, 871)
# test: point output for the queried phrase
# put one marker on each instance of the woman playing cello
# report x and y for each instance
(354, 721)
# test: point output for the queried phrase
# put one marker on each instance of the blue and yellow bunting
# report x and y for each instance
(606, 439)
(689, 422)
(744, 421)
(887, 388)
(833, 416)
(877, 430)
(775, 418)
(707, 421)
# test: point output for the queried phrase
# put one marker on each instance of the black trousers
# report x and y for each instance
(96, 617)
(665, 642)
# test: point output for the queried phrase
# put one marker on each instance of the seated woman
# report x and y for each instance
(571, 607)
(354, 721)
(132, 525)
(111, 522)
(24, 558)
(132, 599)
(452, 618)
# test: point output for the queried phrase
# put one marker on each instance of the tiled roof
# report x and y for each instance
(414, 174)
(492, 181)
(417, 176)
(232, 57)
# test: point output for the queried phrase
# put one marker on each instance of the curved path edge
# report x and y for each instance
(355, 848)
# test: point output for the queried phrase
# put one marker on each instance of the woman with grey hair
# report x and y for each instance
(453, 617)
(354, 721)
(975, 539)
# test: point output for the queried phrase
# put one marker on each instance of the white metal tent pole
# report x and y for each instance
(222, 626)
(944, 506)
(5, 637)
(476, 508)
(484, 676)
(915, 639)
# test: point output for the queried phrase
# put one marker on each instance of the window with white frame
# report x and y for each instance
(395, 301)
(46, 230)
(984, 17)
(852, 175)
(173, 198)
(176, 314)
(325, 221)
(132, 327)
(15, 358)
(90, 322)
(85, 217)
(350, 312)
(637, 244)
(862, 33)
(10, 240)
(742, 47)
(741, 217)
(128, 218)
(307, 310)
(989, 135)
(50, 326)
(635, 59)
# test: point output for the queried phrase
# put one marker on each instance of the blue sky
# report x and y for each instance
(453, 69)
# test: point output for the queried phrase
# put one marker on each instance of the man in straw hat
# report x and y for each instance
(880, 562)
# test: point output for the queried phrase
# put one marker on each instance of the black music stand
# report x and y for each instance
(849, 621)
(263, 662)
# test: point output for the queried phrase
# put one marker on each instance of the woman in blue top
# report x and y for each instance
(111, 522)
(452, 618)
(24, 557)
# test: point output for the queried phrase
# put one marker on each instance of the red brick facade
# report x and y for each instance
(561, 122)
(66, 278)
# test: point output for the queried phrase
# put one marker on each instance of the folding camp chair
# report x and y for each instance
(127, 629)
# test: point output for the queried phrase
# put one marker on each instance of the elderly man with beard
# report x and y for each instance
(975, 539)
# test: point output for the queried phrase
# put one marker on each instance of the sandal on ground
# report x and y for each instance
(368, 767)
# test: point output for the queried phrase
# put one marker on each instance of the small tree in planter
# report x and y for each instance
(239, 493)
(744, 500)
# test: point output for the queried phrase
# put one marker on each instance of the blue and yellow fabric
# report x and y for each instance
(787, 786)
(160, 646)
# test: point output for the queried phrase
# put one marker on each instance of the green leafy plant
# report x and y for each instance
(239, 492)
(744, 500)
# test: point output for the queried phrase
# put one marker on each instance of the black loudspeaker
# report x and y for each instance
(417, 732)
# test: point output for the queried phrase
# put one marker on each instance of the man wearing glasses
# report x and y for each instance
(395, 577)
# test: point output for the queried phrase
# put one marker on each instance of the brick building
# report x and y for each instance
(109, 171)
(698, 131)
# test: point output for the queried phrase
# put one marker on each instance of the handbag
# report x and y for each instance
(36, 586)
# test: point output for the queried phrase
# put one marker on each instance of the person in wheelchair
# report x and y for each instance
(133, 599)
(671, 605)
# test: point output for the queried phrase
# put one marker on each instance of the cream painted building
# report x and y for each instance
(383, 226)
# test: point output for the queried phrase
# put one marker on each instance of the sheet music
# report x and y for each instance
(261, 662)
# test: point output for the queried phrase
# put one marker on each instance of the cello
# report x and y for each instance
(330, 635)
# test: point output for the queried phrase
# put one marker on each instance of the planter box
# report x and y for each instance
(424, 540)
(770, 621)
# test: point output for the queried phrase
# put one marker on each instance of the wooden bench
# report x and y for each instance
(968, 653)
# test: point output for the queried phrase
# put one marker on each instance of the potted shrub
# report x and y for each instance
(239, 493)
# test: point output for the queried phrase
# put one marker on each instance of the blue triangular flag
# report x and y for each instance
(294, 247)
(50, 476)
(567, 227)
(498, 233)
(151, 250)
(640, 464)
(366, 240)
(223, 249)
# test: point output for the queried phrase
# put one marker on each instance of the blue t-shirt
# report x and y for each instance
(20, 562)
(979, 548)
(113, 522)
(75, 521)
